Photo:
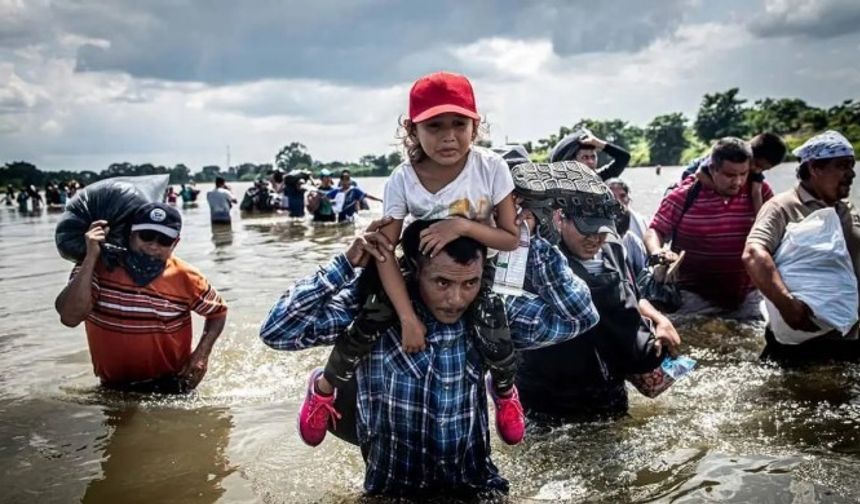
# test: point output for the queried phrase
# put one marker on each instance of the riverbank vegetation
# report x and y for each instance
(668, 139)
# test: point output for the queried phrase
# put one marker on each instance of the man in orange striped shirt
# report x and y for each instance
(138, 315)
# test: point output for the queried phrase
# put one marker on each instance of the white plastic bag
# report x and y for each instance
(816, 268)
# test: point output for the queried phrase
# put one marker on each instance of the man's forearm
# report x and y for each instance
(212, 329)
(653, 241)
(620, 159)
(764, 274)
(75, 302)
(647, 310)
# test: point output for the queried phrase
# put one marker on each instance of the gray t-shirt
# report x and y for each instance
(220, 201)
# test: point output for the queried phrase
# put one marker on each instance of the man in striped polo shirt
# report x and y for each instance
(138, 315)
(709, 216)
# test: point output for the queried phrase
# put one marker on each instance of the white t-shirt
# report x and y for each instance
(638, 224)
(594, 265)
(634, 252)
(484, 182)
(220, 201)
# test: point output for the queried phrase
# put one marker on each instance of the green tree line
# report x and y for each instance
(669, 139)
(672, 139)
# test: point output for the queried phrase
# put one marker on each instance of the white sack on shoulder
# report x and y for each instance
(814, 263)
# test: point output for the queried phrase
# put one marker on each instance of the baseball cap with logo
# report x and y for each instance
(440, 93)
(158, 217)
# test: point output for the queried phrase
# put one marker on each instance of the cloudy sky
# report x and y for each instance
(87, 83)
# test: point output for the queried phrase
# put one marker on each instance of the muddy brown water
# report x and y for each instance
(736, 431)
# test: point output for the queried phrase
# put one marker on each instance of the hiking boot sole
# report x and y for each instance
(555, 181)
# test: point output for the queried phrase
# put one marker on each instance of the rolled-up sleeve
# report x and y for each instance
(562, 308)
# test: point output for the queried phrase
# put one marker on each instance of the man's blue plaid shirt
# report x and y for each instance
(423, 418)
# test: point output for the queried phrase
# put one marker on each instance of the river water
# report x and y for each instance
(736, 431)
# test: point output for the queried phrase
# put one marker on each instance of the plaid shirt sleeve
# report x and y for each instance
(563, 307)
(315, 311)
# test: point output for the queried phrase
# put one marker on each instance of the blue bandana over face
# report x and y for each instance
(830, 144)
(143, 268)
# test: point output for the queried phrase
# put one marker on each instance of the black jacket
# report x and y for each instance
(584, 377)
(566, 148)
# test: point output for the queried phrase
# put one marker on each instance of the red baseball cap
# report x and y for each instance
(439, 93)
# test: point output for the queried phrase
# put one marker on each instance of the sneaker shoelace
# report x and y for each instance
(509, 409)
(320, 412)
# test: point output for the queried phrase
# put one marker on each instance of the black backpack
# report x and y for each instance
(666, 297)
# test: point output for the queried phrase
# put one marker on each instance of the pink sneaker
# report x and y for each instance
(510, 420)
(315, 413)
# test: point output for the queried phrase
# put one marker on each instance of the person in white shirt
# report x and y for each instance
(221, 200)
(638, 224)
(469, 189)
(631, 227)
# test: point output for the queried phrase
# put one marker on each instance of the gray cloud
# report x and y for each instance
(820, 19)
(168, 81)
(365, 42)
(584, 27)
(23, 25)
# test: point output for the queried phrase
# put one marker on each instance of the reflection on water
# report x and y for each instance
(735, 431)
(141, 462)
(222, 234)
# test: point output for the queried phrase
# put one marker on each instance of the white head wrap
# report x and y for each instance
(830, 144)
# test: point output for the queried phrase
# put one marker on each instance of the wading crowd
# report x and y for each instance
(420, 338)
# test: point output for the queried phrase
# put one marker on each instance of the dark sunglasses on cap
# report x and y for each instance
(149, 235)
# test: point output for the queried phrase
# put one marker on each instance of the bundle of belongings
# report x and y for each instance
(814, 263)
(114, 200)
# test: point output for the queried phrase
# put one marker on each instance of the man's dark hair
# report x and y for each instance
(345, 172)
(463, 250)
(769, 147)
(219, 181)
(730, 149)
(619, 182)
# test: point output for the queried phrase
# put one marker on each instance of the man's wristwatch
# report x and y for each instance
(655, 259)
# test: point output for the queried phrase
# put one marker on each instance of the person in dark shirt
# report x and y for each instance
(583, 378)
(583, 146)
